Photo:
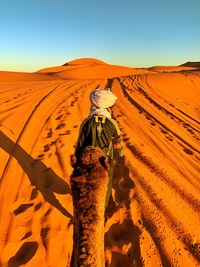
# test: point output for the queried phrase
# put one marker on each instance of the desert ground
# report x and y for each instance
(153, 215)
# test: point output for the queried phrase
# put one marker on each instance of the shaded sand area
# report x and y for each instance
(153, 214)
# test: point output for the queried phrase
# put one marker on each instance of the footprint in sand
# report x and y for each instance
(125, 139)
(72, 103)
(60, 126)
(185, 125)
(169, 138)
(147, 117)
(24, 254)
(53, 143)
(163, 131)
(38, 206)
(27, 235)
(190, 131)
(41, 156)
(188, 151)
(22, 208)
(50, 133)
(68, 132)
(46, 148)
(59, 117)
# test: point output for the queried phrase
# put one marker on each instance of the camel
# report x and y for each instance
(89, 182)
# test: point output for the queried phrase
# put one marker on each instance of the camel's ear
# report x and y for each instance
(105, 162)
(73, 160)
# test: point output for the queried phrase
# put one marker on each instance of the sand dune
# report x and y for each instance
(99, 72)
(74, 64)
(86, 61)
(192, 64)
(153, 215)
(90, 69)
(171, 68)
(9, 76)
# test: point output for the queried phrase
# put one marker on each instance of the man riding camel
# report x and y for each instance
(101, 130)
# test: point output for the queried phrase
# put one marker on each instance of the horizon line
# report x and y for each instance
(91, 58)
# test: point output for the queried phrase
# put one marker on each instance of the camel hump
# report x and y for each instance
(92, 160)
(92, 154)
(95, 156)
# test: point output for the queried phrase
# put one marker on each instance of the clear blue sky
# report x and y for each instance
(138, 33)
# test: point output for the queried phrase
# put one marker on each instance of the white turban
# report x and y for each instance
(101, 100)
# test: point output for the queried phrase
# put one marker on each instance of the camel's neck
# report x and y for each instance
(89, 205)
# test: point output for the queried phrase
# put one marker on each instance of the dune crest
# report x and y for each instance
(195, 64)
(90, 68)
(171, 68)
(86, 61)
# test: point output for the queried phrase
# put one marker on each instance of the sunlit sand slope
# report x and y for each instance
(153, 214)
(171, 68)
(90, 68)
(11, 76)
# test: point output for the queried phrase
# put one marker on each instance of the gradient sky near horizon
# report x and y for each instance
(41, 33)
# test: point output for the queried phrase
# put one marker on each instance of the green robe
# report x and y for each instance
(91, 135)
(98, 131)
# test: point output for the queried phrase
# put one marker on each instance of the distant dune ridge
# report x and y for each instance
(192, 64)
(87, 61)
(11, 76)
(153, 215)
(89, 68)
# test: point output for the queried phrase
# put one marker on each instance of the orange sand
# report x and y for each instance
(171, 68)
(153, 216)
(90, 69)
(9, 76)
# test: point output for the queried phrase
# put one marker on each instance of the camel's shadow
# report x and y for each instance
(124, 233)
(122, 185)
(45, 180)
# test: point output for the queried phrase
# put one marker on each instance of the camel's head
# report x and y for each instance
(92, 163)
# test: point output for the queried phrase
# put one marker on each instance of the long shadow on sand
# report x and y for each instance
(125, 233)
(44, 179)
